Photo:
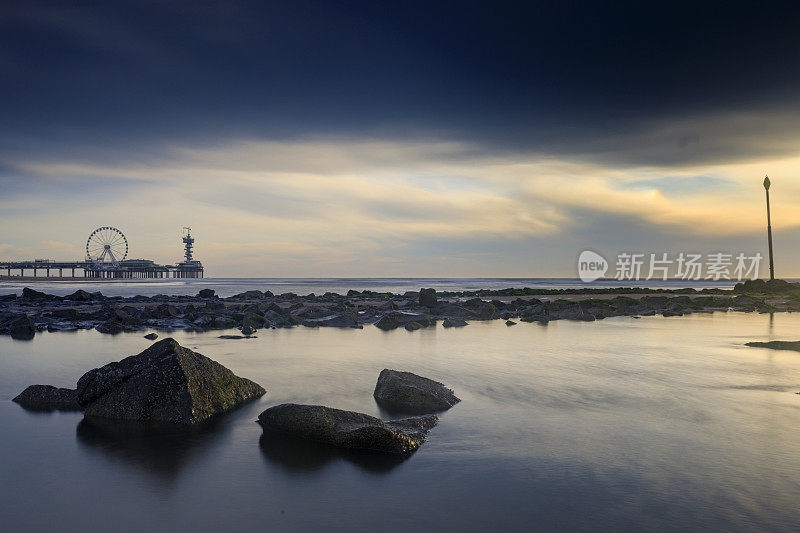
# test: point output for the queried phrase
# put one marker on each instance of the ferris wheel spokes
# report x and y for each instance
(106, 246)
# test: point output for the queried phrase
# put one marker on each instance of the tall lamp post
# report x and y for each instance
(769, 231)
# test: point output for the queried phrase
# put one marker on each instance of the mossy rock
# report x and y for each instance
(165, 383)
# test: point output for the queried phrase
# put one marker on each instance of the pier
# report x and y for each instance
(133, 269)
(106, 252)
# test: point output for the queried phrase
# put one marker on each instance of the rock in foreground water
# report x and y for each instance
(776, 345)
(48, 398)
(348, 429)
(409, 393)
(167, 383)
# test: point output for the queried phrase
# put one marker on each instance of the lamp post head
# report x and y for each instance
(766, 182)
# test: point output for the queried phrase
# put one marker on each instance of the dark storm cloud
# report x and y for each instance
(540, 76)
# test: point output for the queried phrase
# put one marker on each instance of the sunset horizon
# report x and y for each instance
(412, 143)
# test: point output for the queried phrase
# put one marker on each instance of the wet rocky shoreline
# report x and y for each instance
(23, 315)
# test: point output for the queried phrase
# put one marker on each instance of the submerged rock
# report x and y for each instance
(48, 398)
(451, 322)
(167, 383)
(510, 323)
(348, 429)
(409, 393)
(151, 336)
(776, 345)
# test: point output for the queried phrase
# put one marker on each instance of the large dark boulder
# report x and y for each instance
(427, 298)
(22, 328)
(167, 383)
(409, 393)
(48, 398)
(348, 429)
(206, 293)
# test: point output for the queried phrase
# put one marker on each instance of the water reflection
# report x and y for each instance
(622, 424)
(161, 449)
(299, 456)
(390, 413)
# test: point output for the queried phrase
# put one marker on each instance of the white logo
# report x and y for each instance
(591, 266)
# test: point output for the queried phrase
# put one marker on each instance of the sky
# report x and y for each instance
(404, 139)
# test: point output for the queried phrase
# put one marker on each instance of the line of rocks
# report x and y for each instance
(22, 316)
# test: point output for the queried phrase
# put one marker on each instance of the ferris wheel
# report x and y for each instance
(106, 246)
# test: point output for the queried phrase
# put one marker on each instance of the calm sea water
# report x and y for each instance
(621, 424)
(303, 286)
